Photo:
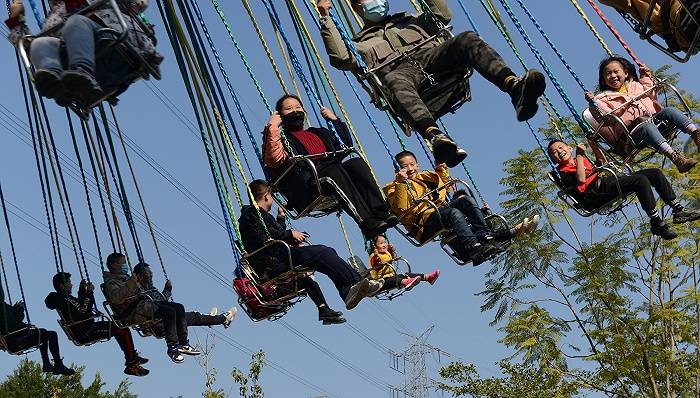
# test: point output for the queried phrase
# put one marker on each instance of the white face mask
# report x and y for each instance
(376, 10)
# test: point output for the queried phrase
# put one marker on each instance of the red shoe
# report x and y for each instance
(409, 283)
(432, 277)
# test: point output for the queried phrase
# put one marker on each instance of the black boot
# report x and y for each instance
(445, 150)
(330, 317)
(660, 228)
(525, 92)
(59, 369)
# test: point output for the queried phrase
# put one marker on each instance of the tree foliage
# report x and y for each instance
(248, 383)
(28, 381)
(592, 305)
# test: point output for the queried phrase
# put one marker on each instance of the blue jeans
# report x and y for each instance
(464, 218)
(649, 134)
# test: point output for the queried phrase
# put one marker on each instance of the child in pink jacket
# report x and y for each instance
(619, 85)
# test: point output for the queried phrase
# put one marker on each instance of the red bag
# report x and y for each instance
(247, 292)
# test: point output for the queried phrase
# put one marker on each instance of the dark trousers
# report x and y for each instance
(639, 182)
(46, 339)
(354, 178)
(395, 281)
(174, 322)
(194, 318)
(104, 330)
(325, 260)
(465, 50)
(464, 217)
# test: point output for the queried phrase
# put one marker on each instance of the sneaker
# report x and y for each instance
(188, 349)
(432, 277)
(362, 289)
(372, 227)
(47, 83)
(213, 311)
(663, 230)
(47, 367)
(525, 92)
(140, 360)
(82, 85)
(685, 216)
(695, 135)
(410, 283)
(484, 253)
(59, 369)
(682, 163)
(446, 151)
(528, 226)
(175, 355)
(230, 316)
(135, 369)
(330, 317)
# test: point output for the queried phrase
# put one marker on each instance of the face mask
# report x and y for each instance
(124, 270)
(376, 10)
(293, 121)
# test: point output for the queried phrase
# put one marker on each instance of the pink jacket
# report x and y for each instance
(644, 106)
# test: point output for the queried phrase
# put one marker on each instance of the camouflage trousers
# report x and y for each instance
(456, 55)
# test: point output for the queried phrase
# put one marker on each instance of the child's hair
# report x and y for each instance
(626, 65)
(404, 154)
(390, 247)
(549, 146)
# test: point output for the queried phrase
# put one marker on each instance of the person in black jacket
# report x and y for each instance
(12, 328)
(273, 262)
(353, 176)
(78, 313)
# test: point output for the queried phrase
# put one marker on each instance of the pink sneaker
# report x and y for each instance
(409, 283)
(432, 277)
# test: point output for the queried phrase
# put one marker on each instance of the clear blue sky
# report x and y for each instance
(486, 127)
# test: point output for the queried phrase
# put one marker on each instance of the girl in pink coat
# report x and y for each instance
(619, 85)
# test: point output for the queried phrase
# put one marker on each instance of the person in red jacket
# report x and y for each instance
(593, 190)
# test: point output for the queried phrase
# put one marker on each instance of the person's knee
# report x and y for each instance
(76, 20)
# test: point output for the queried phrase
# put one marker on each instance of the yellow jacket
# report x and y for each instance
(380, 265)
(638, 9)
(402, 196)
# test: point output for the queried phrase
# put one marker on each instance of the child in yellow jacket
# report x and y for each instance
(383, 254)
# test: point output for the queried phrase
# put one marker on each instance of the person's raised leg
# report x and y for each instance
(467, 50)
(403, 83)
(663, 187)
(45, 53)
(648, 134)
(468, 206)
(361, 177)
(58, 367)
(166, 314)
(681, 121)
(79, 38)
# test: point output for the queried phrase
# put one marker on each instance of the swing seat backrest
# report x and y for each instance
(21, 341)
(253, 307)
(75, 338)
(324, 197)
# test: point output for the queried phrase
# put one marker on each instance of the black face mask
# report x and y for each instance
(294, 121)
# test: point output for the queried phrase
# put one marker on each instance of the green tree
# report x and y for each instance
(28, 381)
(595, 304)
(257, 363)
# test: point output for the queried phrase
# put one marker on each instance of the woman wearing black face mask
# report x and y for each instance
(353, 176)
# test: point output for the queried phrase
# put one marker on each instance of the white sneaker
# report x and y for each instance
(213, 311)
(532, 226)
(230, 316)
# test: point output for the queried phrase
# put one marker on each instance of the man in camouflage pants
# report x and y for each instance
(386, 36)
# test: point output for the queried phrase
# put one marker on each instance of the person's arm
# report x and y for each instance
(16, 22)
(168, 290)
(597, 151)
(645, 77)
(443, 172)
(118, 294)
(339, 55)
(397, 195)
(86, 297)
(580, 163)
(340, 127)
(274, 152)
(440, 9)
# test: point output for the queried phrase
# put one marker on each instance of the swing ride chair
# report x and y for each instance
(26, 347)
(442, 93)
(645, 32)
(325, 203)
(612, 121)
(68, 326)
(446, 235)
(613, 168)
(144, 329)
(399, 265)
(287, 282)
(110, 40)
